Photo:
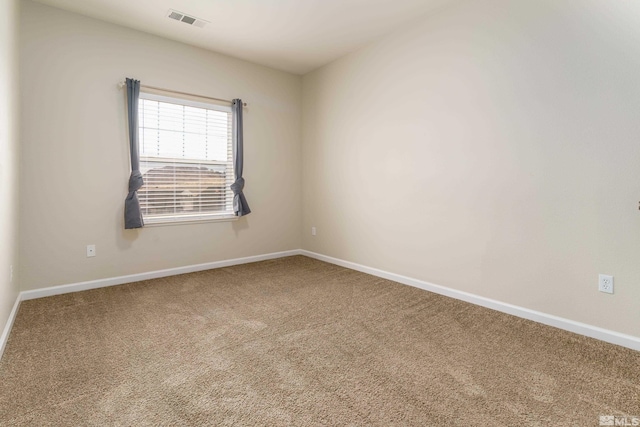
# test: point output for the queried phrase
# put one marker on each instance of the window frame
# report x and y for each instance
(182, 219)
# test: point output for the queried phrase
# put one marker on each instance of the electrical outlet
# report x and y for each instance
(91, 251)
(605, 283)
(313, 231)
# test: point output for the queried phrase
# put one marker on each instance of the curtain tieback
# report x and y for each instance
(238, 186)
(135, 181)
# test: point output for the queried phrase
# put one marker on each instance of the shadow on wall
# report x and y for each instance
(240, 224)
(125, 238)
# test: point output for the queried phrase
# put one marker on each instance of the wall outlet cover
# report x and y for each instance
(91, 251)
(605, 283)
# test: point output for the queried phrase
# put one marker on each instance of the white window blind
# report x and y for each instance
(186, 159)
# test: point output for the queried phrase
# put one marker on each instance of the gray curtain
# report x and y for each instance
(132, 214)
(240, 205)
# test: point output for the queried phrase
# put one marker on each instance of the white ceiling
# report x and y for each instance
(291, 35)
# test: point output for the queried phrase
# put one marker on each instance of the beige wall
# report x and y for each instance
(492, 148)
(8, 156)
(76, 161)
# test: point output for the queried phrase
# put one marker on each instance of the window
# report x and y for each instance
(186, 160)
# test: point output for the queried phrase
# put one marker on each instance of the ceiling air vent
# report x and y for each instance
(179, 16)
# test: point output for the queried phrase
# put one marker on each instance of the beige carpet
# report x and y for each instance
(299, 342)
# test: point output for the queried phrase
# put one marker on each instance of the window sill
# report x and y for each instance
(156, 222)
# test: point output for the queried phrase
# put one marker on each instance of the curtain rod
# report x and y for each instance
(123, 84)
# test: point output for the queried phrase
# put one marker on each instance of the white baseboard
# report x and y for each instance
(7, 327)
(537, 316)
(547, 319)
(120, 280)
